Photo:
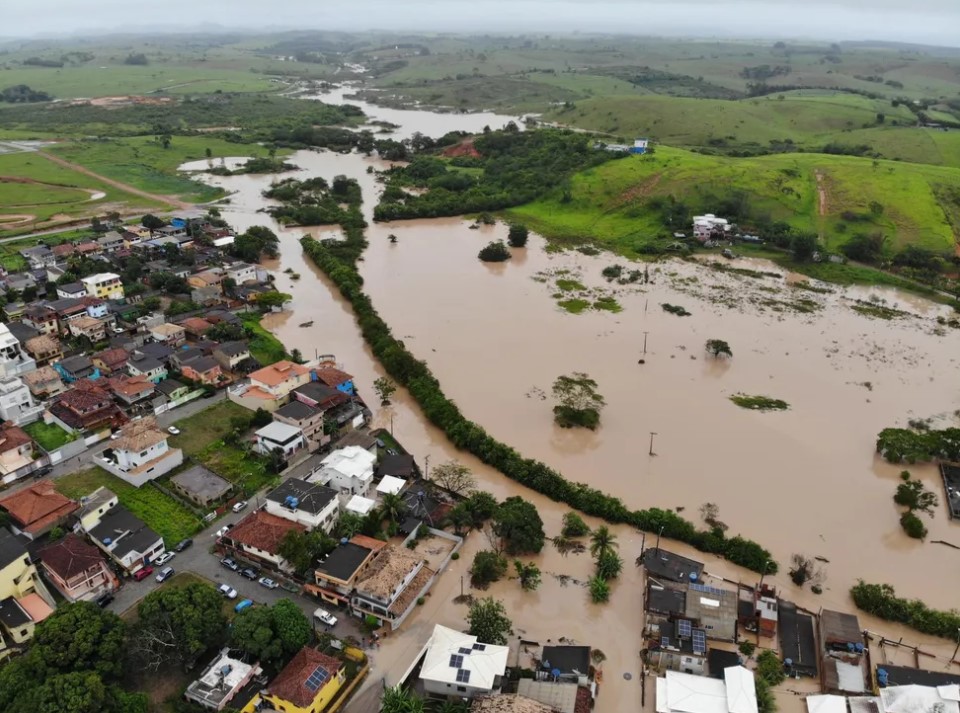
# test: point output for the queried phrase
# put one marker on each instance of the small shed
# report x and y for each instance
(840, 631)
(391, 485)
(360, 505)
(202, 486)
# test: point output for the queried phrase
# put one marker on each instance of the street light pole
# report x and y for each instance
(652, 434)
(645, 343)
(426, 467)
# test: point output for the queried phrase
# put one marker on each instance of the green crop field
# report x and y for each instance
(142, 162)
(163, 514)
(611, 203)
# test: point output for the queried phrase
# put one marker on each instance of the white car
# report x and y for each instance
(240, 506)
(164, 558)
(268, 583)
(227, 591)
(322, 615)
(173, 430)
(223, 531)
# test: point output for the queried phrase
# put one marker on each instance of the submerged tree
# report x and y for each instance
(718, 348)
(495, 252)
(385, 388)
(455, 477)
(489, 621)
(579, 403)
(529, 575)
(517, 236)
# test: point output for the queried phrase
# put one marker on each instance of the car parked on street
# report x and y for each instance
(230, 564)
(104, 599)
(245, 604)
(325, 617)
(250, 574)
(164, 558)
(173, 431)
(238, 507)
(142, 573)
(183, 544)
(223, 530)
(165, 574)
(227, 591)
(268, 583)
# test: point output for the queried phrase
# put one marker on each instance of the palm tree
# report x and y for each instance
(392, 507)
(602, 541)
(401, 700)
(450, 707)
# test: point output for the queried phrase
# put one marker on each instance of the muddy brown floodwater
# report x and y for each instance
(801, 481)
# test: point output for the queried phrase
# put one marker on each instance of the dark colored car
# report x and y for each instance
(183, 544)
(230, 564)
(250, 574)
(104, 599)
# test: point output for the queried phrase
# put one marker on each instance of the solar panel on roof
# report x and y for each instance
(665, 641)
(317, 679)
(465, 651)
(705, 589)
(456, 661)
(479, 647)
(463, 675)
(699, 642)
(684, 627)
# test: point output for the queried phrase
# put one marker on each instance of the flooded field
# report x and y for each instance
(849, 362)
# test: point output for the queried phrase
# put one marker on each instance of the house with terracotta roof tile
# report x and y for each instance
(44, 349)
(86, 407)
(305, 685)
(130, 390)
(269, 388)
(258, 537)
(44, 382)
(391, 586)
(336, 379)
(111, 360)
(76, 569)
(37, 509)
(141, 453)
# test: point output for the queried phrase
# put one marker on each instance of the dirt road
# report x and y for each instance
(168, 200)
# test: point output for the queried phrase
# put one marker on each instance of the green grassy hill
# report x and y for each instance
(613, 203)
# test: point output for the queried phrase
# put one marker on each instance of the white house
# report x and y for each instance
(242, 272)
(105, 285)
(709, 227)
(348, 470)
(456, 665)
(17, 403)
(221, 681)
(274, 435)
(141, 453)
(310, 504)
(13, 361)
(686, 693)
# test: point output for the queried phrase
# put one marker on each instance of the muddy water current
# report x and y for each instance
(804, 480)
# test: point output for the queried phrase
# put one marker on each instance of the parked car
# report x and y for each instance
(165, 574)
(245, 604)
(230, 564)
(240, 506)
(115, 435)
(325, 617)
(223, 530)
(250, 574)
(164, 558)
(183, 544)
(173, 430)
(104, 599)
(142, 573)
(268, 583)
(209, 394)
(227, 591)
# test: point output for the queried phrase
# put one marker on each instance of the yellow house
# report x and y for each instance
(306, 685)
(24, 600)
(94, 507)
(105, 285)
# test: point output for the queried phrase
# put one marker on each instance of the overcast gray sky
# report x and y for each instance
(925, 21)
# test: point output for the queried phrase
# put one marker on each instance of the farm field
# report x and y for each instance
(165, 516)
(611, 203)
(35, 191)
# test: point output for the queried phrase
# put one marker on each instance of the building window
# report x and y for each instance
(462, 689)
(24, 632)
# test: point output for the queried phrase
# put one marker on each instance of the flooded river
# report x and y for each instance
(800, 481)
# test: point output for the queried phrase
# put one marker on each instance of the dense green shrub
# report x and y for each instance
(899, 445)
(913, 525)
(881, 601)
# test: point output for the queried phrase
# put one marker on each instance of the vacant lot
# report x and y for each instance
(203, 428)
(50, 437)
(164, 515)
(264, 347)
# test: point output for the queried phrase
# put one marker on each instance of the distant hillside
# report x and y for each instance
(626, 203)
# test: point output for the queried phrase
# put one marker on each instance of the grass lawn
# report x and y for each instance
(166, 516)
(50, 437)
(610, 204)
(203, 428)
(264, 347)
(142, 162)
(247, 470)
(11, 258)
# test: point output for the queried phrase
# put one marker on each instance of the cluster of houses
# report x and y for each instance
(91, 357)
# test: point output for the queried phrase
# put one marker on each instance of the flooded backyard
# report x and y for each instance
(804, 480)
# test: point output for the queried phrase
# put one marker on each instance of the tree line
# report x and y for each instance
(338, 259)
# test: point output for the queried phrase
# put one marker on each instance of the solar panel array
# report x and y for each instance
(706, 590)
(664, 641)
(456, 661)
(463, 675)
(699, 641)
(465, 651)
(317, 678)
(684, 627)
(479, 647)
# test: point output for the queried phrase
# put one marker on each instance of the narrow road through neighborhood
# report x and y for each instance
(169, 200)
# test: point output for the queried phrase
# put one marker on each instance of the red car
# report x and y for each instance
(142, 573)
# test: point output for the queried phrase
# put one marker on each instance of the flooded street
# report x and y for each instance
(800, 481)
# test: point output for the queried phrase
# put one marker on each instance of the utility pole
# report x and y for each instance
(645, 343)
(954, 657)
(391, 423)
(461, 585)
(660, 532)
(652, 434)
(764, 574)
(426, 469)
